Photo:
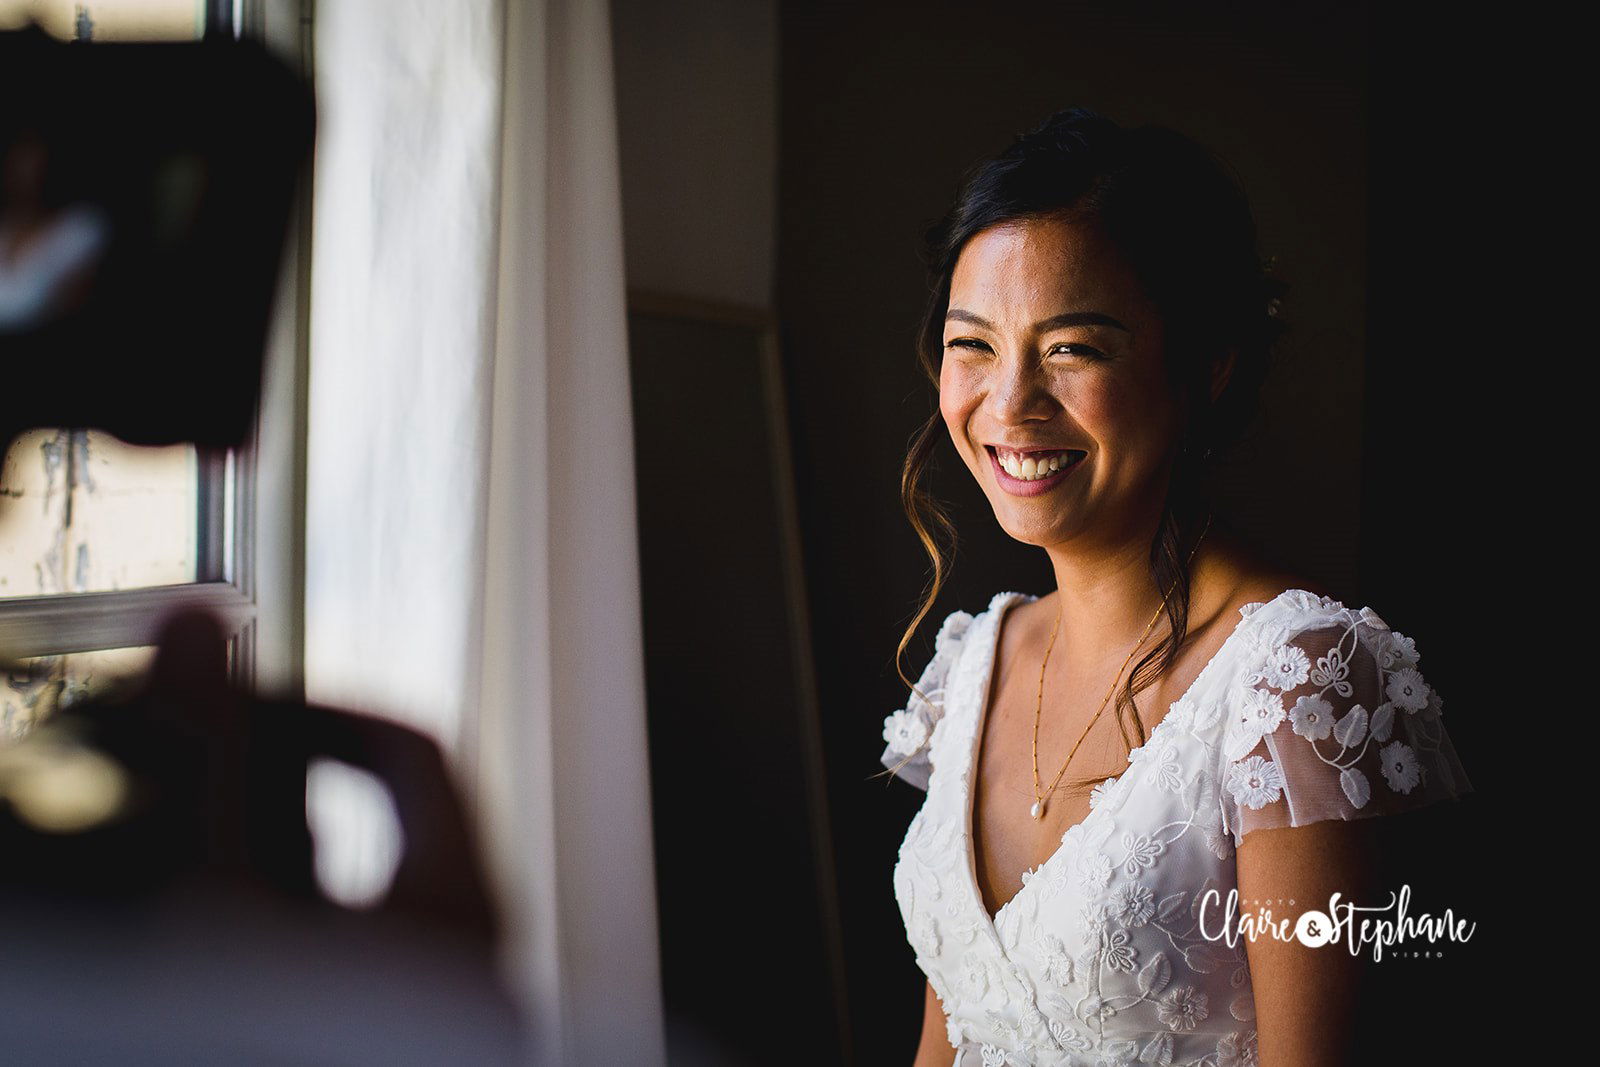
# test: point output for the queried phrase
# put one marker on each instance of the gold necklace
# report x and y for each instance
(1037, 811)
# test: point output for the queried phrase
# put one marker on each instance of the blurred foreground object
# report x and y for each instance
(158, 893)
(158, 899)
(145, 195)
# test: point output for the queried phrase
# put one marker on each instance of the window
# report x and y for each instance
(99, 540)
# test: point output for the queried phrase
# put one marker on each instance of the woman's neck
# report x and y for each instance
(1106, 594)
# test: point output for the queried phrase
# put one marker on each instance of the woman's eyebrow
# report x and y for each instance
(1054, 322)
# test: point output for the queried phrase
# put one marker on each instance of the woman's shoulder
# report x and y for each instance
(908, 732)
(1236, 577)
(1008, 597)
(1330, 717)
(959, 626)
(1284, 604)
(1291, 629)
(1266, 586)
(960, 623)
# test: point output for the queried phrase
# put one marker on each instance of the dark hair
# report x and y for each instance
(1181, 218)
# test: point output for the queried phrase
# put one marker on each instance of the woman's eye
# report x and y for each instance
(1064, 349)
(1077, 350)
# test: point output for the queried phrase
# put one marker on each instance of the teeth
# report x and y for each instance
(1031, 468)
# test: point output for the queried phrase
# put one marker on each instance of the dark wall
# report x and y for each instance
(882, 106)
(738, 866)
(1453, 540)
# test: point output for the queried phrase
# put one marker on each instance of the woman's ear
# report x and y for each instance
(1221, 371)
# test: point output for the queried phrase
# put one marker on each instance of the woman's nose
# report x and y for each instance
(1020, 390)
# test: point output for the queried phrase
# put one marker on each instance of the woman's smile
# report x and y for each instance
(1034, 472)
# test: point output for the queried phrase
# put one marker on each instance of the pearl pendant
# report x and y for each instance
(1037, 809)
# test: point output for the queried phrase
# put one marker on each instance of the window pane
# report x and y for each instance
(35, 689)
(81, 512)
(110, 20)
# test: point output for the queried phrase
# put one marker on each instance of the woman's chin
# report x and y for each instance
(1036, 533)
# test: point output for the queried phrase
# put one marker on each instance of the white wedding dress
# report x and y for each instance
(1308, 711)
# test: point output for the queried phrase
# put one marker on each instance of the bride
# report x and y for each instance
(1177, 719)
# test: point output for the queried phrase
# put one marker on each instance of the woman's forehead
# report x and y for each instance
(1040, 267)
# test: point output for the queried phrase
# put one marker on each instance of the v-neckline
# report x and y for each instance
(981, 696)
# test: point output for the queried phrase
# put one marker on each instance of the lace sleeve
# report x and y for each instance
(908, 732)
(1332, 720)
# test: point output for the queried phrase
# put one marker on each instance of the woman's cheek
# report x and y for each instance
(1133, 425)
(1103, 411)
(955, 397)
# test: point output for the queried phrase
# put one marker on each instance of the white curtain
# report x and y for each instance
(471, 541)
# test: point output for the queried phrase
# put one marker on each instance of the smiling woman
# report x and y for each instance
(1098, 330)
(999, 367)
